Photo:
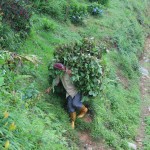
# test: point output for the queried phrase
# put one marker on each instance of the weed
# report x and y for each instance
(147, 138)
(25, 114)
(96, 9)
(77, 13)
(47, 25)
(103, 2)
(55, 8)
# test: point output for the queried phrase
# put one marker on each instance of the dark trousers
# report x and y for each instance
(74, 103)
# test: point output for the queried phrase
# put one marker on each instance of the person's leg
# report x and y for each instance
(70, 104)
(78, 105)
(77, 101)
(83, 111)
(71, 111)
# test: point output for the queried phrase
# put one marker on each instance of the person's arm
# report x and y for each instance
(55, 83)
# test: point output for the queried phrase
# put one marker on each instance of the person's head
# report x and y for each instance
(59, 66)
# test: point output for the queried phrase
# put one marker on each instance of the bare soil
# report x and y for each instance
(87, 142)
(145, 94)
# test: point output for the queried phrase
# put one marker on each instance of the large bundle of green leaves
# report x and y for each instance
(84, 61)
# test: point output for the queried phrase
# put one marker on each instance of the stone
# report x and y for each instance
(139, 140)
(132, 146)
(145, 89)
(144, 71)
(147, 60)
(87, 147)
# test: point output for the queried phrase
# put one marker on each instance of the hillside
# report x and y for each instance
(30, 119)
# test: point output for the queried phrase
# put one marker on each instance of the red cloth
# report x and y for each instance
(59, 66)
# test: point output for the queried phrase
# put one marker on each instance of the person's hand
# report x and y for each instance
(48, 90)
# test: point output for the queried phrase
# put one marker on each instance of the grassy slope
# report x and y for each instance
(116, 110)
(113, 25)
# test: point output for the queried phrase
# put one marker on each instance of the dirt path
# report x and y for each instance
(86, 140)
(145, 93)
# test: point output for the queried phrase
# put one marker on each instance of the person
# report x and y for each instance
(73, 96)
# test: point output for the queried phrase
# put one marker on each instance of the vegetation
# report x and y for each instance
(146, 142)
(16, 14)
(25, 119)
(95, 9)
(30, 119)
(88, 57)
(103, 2)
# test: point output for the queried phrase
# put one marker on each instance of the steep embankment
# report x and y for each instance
(143, 136)
(33, 120)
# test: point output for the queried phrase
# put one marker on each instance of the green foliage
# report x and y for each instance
(103, 2)
(16, 14)
(96, 9)
(13, 16)
(55, 8)
(84, 61)
(62, 10)
(77, 13)
(147, 131)
(25, 121)
(41, 121)
(48, 25)
(9, 39)
(44, 24)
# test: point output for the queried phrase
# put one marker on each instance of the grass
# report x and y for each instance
(116, 110)
(116, 115)
(147, 138)
(112, 117)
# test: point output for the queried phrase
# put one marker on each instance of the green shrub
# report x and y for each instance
(77, 13)
(84, 61)
(17, 14)
(103, 2)
(96, 9)
(9, 38)
(116, 113)
(55, 8)
(48, 25)
(1, 26)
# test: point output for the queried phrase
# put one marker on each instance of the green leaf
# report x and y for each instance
(90, 92)
(2, 61)
(1, 81)
(20, 77)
